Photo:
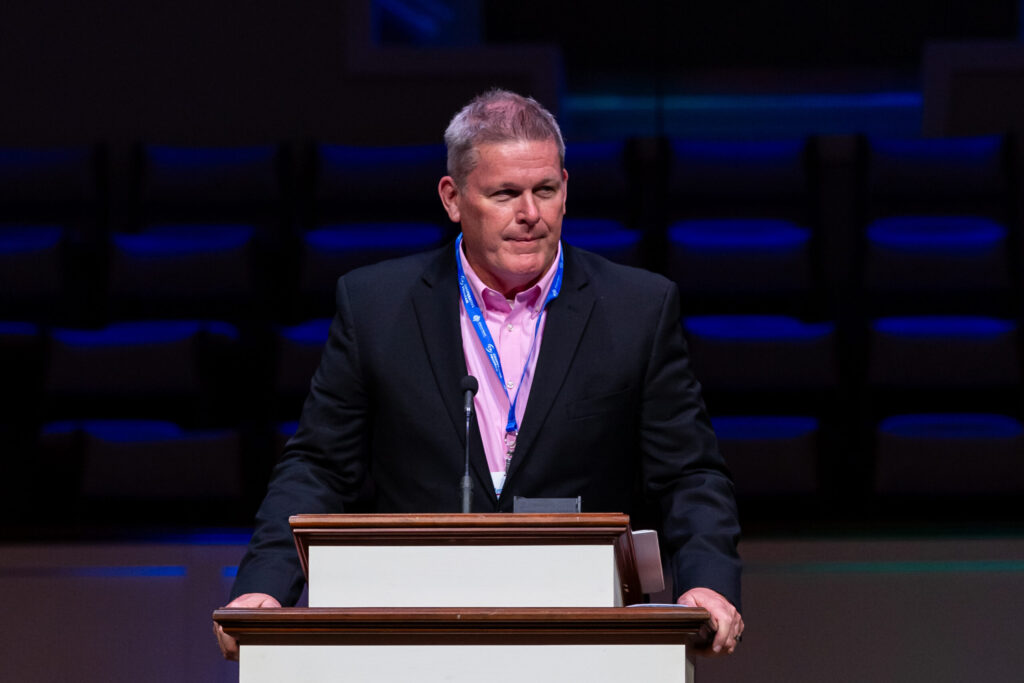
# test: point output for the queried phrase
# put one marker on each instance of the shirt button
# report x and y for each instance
(510, 327)
(509, 384)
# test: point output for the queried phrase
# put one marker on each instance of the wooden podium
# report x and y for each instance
(457, 598)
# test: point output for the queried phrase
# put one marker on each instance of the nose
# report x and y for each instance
(527, 211)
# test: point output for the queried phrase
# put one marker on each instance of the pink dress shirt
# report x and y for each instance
(511, 325)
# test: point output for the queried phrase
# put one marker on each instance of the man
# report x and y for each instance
(587, 391)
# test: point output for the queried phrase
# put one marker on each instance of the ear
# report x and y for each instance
(449, 193)
(565, 188)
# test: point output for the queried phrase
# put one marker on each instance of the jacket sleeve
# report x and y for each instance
(322, 467)
(684, 474)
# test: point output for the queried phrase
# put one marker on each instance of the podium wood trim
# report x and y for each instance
(475, 529)
(466, 626)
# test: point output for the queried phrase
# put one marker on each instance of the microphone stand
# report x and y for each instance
(469, 388)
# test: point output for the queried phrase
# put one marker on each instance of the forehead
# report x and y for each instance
(516, 160)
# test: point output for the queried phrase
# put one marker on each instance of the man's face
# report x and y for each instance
(511, 210)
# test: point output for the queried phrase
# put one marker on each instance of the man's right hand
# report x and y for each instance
(228, 645)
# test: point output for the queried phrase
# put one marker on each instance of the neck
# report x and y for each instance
(509, 292)
(505, 286)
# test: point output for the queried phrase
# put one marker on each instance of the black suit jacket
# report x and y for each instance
(614, 415)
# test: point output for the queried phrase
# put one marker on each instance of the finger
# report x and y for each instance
(735, 633)
(723, 641)
(725, 637)
(228, 645)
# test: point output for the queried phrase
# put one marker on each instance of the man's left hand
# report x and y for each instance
(725, 620)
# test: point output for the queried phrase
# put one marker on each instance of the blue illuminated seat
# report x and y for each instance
(738, 352)
(209, 222)
(51, 210)
(180, 183)
(134, 367)
(960, 175)
(770, 454)
(938, 212)
(188, 267)
(949, 453)
(944, 351)
(742, 224)
(298, 354)
(600, 183)
(753, 178)
(56, 185)
(331, 251)
(149, 460)
(739, 255)
(360, 184)
(606, 237)
(282, 432)
(367, 204)
(21, 366)
(238, 185)
(31, 263)
(937, 253)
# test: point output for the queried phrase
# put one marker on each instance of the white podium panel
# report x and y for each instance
(472, 560)
(464, 576)
(558, 663)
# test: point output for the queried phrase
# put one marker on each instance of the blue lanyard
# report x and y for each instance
(484, 334)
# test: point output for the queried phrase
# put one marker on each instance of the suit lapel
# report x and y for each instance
(567, 317)
(436, 302)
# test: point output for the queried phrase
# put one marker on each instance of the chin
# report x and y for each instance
(528, 264)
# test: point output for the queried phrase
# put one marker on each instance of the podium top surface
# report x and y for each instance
(460, 529)
(453, 624)
(578, 521)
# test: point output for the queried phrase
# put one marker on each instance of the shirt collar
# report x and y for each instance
(493, 300)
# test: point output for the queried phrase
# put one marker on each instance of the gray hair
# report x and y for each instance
(494, 117)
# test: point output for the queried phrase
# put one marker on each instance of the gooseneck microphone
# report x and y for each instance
(469, 386)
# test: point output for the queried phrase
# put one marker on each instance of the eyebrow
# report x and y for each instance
(509, 185)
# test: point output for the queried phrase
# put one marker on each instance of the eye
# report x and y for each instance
(545, 191)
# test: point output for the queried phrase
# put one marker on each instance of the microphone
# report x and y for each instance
(469, 386)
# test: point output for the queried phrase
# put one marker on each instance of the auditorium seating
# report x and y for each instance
(52, 214)
(330, 251)
(936, 236)
(770, 454)
(740, 256)
(962, 454)
(152, 467)
(182, 368)
(32, 268)
(874, 372)
(743, 225)
(150, 459)
(352, 183)
(940, 293)
(742, 244)
(204, 232)
(606, 237)
(951, 352)
(184, 269)
(21, 366)
(364, 204)
(53, 185)
(966, 175)
(175, 183)
(297, 356)
(769, 380)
